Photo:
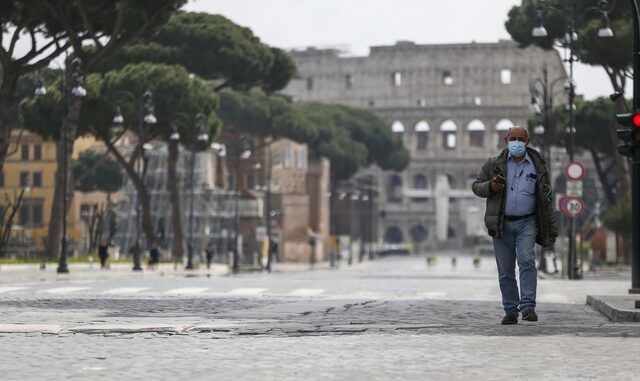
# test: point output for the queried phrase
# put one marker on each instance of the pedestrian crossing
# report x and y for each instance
(181, 291)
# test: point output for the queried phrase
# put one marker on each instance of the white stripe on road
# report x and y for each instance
(64, 290)
(306, 292)
(186, 291)
(5, 290)
(433, 295)
(124, 290)
(247, 291)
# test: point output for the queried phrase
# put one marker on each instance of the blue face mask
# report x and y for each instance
(517, 148)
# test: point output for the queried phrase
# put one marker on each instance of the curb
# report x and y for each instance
(617, 308)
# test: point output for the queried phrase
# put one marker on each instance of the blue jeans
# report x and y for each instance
(516, 243)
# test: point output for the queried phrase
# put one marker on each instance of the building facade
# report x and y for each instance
(452, 105)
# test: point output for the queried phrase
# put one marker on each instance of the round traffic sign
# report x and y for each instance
(571, 206)
(574, 171)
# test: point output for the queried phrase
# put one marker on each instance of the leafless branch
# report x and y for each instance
(87, 23)
(14, 39)
(18, 139)
(115, 41)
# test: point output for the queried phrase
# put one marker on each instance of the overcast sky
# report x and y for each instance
(354, 25)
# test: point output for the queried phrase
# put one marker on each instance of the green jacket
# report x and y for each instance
(494, 215)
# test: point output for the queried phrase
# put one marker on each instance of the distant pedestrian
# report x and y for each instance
(519, 214)
(154, 256)
(209, 254)
(103, 253)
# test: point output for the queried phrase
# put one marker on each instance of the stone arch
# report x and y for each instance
(393, 234)
(449, 131)
(419, 181)
(422, 129)
(476, 133)
(502, 128)
(394, 188)
(397, 126)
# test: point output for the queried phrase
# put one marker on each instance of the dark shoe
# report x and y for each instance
(530, 315)
(510, 318)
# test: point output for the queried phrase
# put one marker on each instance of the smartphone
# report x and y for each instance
(501, 179)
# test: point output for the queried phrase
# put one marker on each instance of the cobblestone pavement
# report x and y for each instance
(396, 318)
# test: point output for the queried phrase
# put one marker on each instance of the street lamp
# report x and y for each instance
(570, 38)
(541, 89)
(145, 116)
(76, 90)
(199, 136)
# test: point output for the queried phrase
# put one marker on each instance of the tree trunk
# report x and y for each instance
(174, 198)
(602, 176)
(141, 190)
(8, 114)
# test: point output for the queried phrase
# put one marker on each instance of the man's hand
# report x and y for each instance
(552, 239)
(496, 185)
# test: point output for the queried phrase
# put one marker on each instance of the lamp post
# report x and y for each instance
(542, 89)
(241, 152)
(198, 136)
(75, 90)
(568, 43)
(145, 116)
(635, 164)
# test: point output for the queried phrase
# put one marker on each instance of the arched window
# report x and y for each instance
(449, 134)
(422, 135)
(393, 234)
(502, 128)
(476, 133)
(394, 189)
(397, 126)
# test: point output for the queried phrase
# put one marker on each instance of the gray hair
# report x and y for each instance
(516, 126)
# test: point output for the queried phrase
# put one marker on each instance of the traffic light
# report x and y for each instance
(630, 136)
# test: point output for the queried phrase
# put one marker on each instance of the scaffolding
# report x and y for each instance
(213, 207)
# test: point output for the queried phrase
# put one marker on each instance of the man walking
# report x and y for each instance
(519, 214)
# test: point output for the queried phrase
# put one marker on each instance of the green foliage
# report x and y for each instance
(593, 120)
(95, 171)
(618, 217)
(214, 48)
(177, 99)
(351, 138)
(264, 115)
(613, 53)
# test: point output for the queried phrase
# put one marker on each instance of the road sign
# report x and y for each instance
(574, 188)
(574, 171)
(571, 206)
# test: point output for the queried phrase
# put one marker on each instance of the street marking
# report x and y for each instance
(186, 291)
(124, 290)
(247, 291)
(64, 290)
(306, 292)
(433, 295)
(29, 328)
(5, 290)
